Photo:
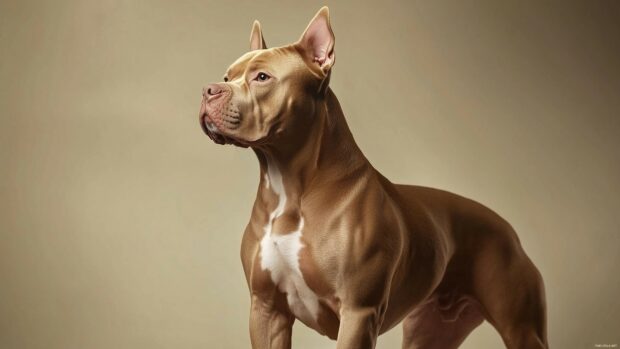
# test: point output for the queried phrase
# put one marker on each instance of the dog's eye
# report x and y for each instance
(262, 77)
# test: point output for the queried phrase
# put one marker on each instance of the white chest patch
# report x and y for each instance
(280, 255)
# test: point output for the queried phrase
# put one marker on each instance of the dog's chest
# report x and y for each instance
(280, 256)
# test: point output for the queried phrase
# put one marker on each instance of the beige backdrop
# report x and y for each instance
(120, 221)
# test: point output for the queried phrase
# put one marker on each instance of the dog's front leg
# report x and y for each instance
(270, 328)
(359, 328)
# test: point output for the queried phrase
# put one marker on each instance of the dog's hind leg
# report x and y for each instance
(511, 292)
(517, 308)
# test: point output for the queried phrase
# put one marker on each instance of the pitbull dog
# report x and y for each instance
(333, 243)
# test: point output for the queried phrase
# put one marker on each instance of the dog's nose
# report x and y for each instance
(213, 90)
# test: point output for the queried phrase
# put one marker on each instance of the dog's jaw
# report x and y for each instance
(210, 129)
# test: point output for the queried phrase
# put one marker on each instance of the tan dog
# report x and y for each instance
(334, 244)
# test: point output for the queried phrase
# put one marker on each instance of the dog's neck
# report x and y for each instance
(324, 152)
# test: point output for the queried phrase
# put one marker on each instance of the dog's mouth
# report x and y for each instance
(211, 130)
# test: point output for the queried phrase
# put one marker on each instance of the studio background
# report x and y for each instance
(120, 221)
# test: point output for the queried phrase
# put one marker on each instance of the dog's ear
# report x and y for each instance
(318, 41)
(257, 42)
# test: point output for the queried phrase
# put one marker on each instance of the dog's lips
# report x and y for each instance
(210, 127)
(211, 130)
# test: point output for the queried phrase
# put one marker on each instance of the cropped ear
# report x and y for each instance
(318, 41)
(257, 42)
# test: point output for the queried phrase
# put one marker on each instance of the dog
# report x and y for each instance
(334, 244)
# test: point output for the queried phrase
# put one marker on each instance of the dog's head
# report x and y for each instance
(270, 91)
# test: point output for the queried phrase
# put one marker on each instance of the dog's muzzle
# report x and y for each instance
(214, 97)
(208, 126)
